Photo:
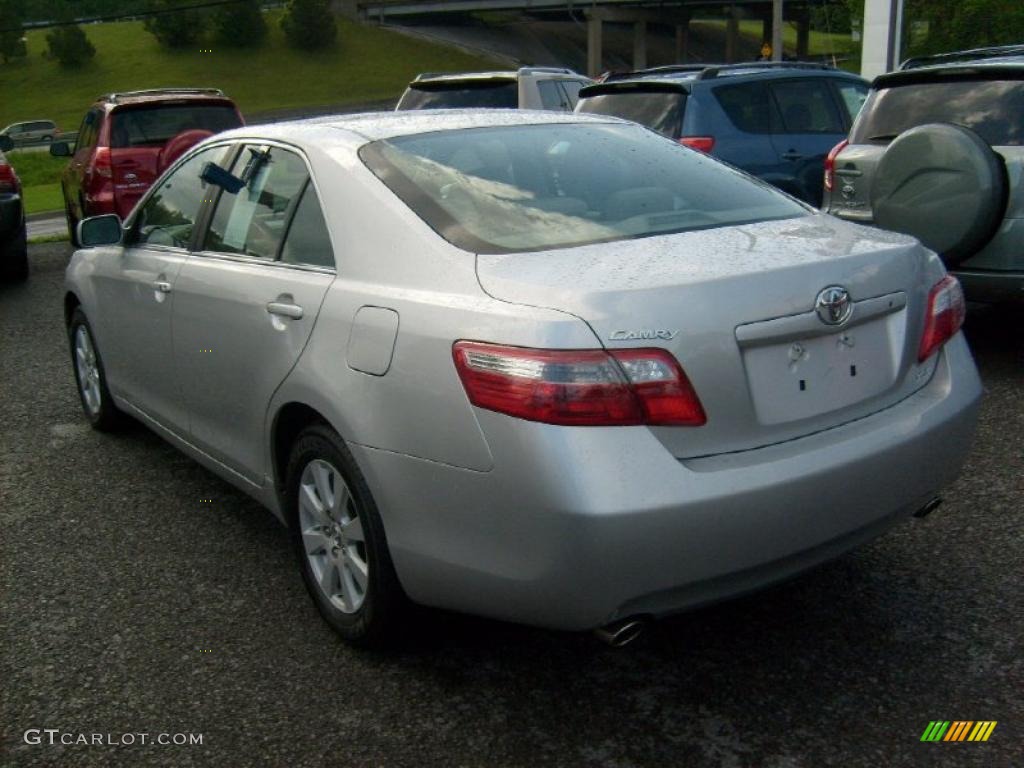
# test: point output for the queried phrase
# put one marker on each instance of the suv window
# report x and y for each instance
(806, 106)
(661, 111)
(494, 94)
(307, 241)
(853, 95)
(993, 108)
(252, 222)
(169, 215)
(572, 90)
(89, 130)
(153, 125)
(750, 107)
(551, 95)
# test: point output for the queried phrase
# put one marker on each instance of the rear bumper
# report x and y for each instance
(574, 528)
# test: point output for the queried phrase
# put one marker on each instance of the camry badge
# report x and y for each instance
(833, 305)
(643, 333)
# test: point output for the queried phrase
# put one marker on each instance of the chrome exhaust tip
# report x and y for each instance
(621, 633)
(928, 508)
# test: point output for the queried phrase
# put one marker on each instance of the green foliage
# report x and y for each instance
(953, 25)
(12, 46)
(240, 25)
(309, 24)
(174, 29)
(70, 46)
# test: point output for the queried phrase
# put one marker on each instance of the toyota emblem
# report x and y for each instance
(833, 305)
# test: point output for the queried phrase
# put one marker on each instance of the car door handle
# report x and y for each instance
(792, 155)
(162, 286)
(294, 311)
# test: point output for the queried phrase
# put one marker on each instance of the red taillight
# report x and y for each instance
(702, 143)
(101, 163)
(945, 316)
(588, 387)
(830, 164)
(9, 182)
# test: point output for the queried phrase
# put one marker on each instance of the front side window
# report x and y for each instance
(169, 215)
(252, 221)
(806, 106)
(535, 187)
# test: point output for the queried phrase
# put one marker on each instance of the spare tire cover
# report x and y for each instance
(942, 184)
(176, 146)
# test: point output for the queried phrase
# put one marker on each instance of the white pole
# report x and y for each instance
(881, 39)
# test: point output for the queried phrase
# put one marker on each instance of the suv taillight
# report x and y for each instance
(702, 143)
(101, 163)
(945, 315)
(830, 164)
(9, 182)
(585, 387)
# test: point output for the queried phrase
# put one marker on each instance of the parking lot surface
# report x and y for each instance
(140, 594)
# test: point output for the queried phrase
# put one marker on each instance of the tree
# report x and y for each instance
(174, 28)
(69, 45)
(309, 24)
(12, 43)
(241, 24)
(953, 25)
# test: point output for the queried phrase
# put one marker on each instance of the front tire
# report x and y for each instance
(90, 377)
(339, 540)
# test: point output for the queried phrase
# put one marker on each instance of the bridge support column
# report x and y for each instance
(803, 35)
(732, 34)
(683, 41)
(640, 44)
(594, 52)
(880, 51)
(776, 30)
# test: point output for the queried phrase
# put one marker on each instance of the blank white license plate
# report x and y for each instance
(803, 378)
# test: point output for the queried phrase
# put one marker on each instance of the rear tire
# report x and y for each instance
(90, 377)
(339, 541)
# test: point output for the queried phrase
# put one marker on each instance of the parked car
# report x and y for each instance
(527, 88)
(775, 120)
(31, 132)
(13, 245)
(547, 389)
(127, 139)
(938, 152)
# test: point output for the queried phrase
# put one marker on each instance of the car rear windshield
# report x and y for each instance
(661, 111)
(992, 108)
(526, 188)
(493, 94)
(154, 125)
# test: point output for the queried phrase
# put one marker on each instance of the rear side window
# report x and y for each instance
(806, 106)
(169, 215)
(992, 108)
(252, 222)
(572, 90)
(661, 111)
(154, 125)
(853, 96)
(552, 96)
(89, 130)
(493, 94)
(307, 241)
(749, 107)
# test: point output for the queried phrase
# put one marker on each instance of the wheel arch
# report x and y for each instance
(71, 303)
(289, 421)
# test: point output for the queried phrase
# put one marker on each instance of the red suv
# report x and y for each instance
(127, 140)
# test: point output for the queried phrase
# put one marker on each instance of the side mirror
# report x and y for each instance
(6, 143)
(100, 230)
(60, 149)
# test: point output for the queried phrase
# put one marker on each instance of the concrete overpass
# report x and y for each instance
(880, 45)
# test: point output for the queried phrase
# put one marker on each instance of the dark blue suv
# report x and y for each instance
(777, 121)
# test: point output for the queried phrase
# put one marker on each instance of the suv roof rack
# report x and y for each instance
(972, 54)
(546, 71)
(708, 71)
(113, 97)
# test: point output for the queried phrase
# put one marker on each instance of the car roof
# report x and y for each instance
(510, 74)
(685, 75)
(372, 126)
(157, 95)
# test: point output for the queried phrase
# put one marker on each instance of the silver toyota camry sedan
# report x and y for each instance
(548, 368)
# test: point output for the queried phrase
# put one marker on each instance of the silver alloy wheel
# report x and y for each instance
(88, 370)
(332, 536)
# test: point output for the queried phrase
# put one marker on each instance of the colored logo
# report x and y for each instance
(958, 730)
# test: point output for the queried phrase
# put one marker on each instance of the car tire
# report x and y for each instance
(14, 261)
(87, 365)
(339, 540)
(943, 184)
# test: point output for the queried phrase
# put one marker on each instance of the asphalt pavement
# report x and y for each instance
(142, 595)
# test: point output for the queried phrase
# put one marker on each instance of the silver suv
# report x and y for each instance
(550, 88)
(938, 152)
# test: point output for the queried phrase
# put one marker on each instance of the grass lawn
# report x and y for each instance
(40, 179)
(367, 64)
(43, 197)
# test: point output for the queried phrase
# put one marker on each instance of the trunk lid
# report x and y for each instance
(736, 306)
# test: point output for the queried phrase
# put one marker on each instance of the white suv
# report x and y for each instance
(548, 88)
